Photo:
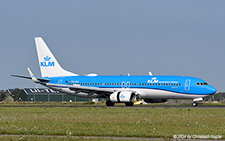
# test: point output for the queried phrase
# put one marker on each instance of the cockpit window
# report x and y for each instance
(201, 83)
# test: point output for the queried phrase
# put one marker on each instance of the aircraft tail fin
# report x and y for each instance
(49, 66)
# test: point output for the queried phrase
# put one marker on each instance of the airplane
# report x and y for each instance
(116, 89)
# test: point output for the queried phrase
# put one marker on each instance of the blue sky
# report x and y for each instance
(115, 37)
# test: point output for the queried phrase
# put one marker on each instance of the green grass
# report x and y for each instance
(25, 138)
(104, 121)
(90, 103)
(70, 104)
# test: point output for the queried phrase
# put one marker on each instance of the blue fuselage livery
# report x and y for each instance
(187, 87)
(116, 89)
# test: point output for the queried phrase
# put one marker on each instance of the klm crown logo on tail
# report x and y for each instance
(47, 62)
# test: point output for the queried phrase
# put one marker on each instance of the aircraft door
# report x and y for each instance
(123, 84)
(187, 85)
(128, 84)
(60, 82)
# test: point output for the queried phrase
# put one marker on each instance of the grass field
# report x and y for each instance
(104, 121)
(90, 103)
(23, 138)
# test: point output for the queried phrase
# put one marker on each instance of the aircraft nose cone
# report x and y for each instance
(214, 90)
(211, 90)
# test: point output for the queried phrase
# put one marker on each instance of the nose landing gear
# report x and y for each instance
(196, 101)
(194, 104)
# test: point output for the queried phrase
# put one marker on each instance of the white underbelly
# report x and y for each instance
(144, 93)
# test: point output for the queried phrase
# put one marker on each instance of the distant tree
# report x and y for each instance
(15, 94)
(208, 98)
(2, 96)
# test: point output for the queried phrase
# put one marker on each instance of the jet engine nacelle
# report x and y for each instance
(123, 97)
(155, 100)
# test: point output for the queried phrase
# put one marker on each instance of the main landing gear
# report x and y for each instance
(129, 104)
(110, 103)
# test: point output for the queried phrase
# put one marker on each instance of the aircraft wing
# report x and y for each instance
(77, 89)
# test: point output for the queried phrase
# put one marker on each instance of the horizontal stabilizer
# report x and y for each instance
(27, 77)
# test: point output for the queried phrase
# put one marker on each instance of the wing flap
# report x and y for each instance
(84, 89)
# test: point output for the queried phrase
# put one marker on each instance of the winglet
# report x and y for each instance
(32, 76)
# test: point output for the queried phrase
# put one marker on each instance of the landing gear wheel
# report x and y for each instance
(194, 104)
(129, 104)
(109, 103)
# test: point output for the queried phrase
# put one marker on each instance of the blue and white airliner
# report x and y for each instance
(116, 89)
